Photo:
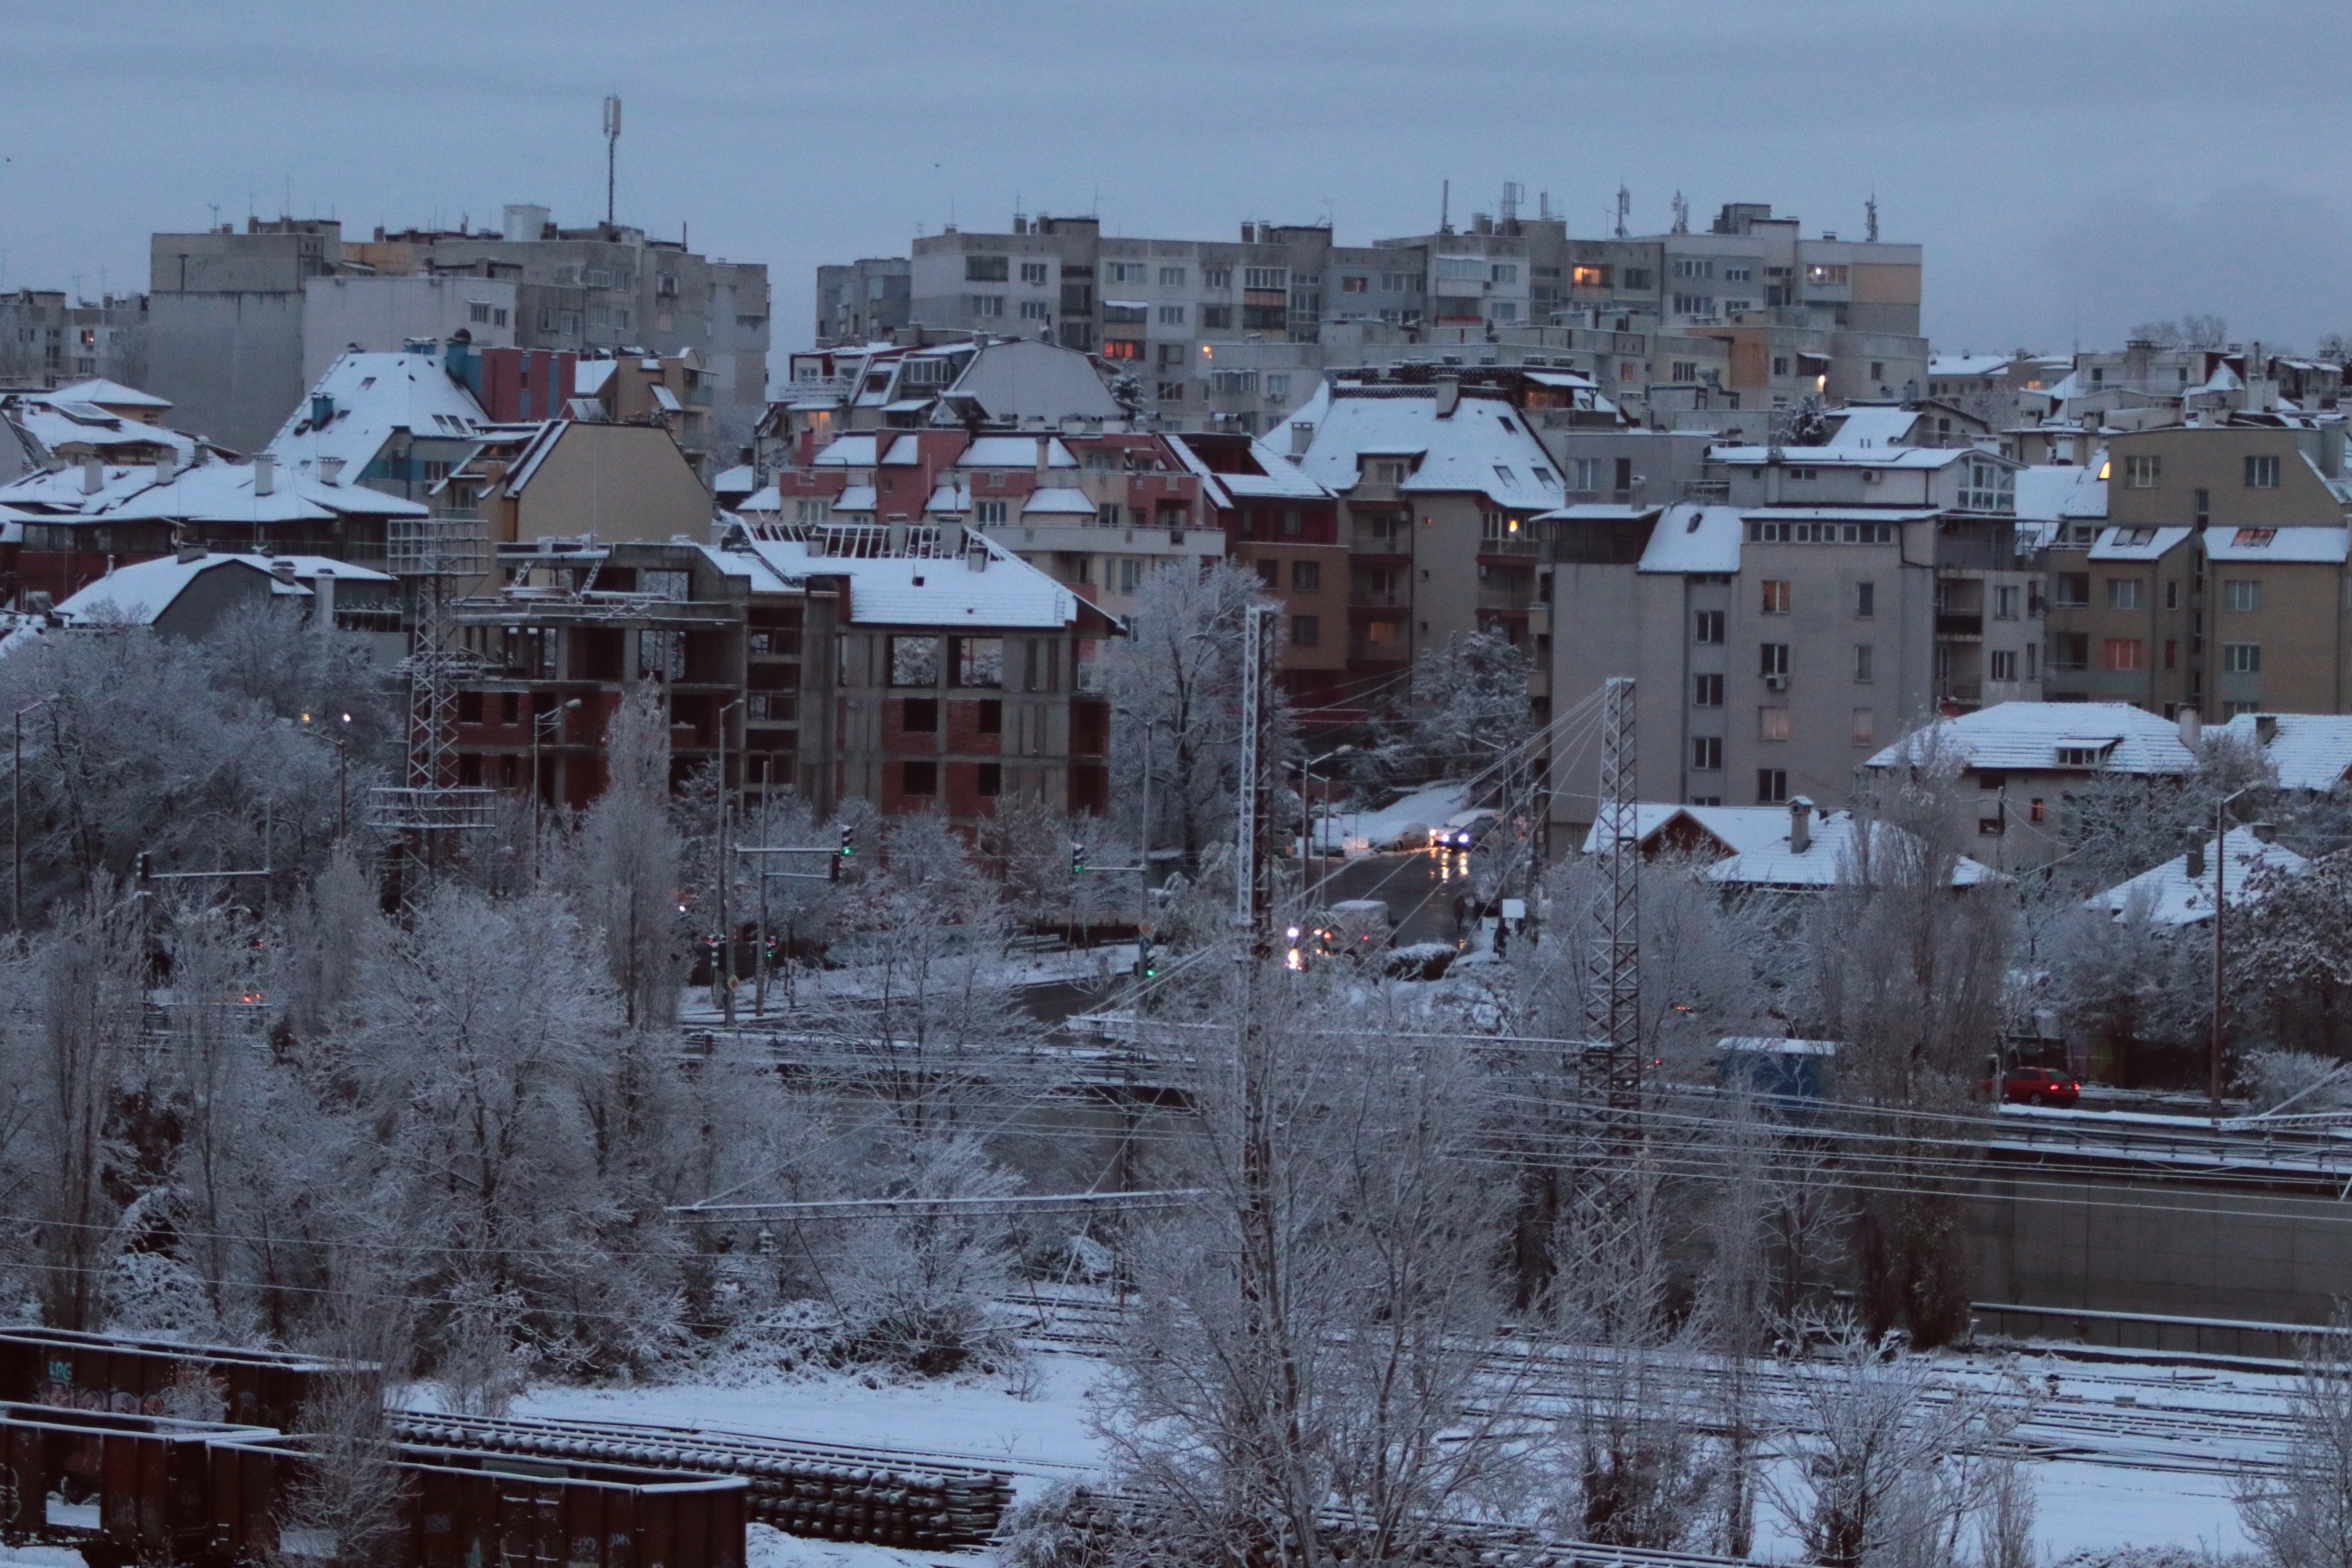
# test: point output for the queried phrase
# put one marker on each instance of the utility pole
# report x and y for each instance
(17, 814)
(722, 974)
(2221, 911)
(612, 145)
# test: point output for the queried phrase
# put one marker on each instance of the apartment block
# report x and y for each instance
(2215, 584)
(47, 342)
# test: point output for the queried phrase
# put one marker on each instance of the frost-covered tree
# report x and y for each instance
(1467, 706)
(2301, 1513)
(626, 864)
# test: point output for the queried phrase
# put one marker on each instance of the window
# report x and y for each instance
(2070, 650)
(1277, 385)
(988, 304)
(1682, 370)
(1780, 365)
(1589, 277)
(987, 512)
(1172, 278)
(1400, 283)
(1168, 391)
(919, 778)
(1126, 272)
(1694, 305)
(1706, 692)
(2243, 594)
(1693, 267)
(1305, 631)
(1707, 627)
(1706, 754)
(2242, 658)
(1878, 372)
(1774, 724)
(991, 715)
(1172, 315)
(2171, 653)
(1460, 269)
(1771, 786)
(919, 716)
(2253, 538)
(1826, 275)
(2262, 473)
(1503, 272)
(478, 313)
(1216, 318)
(1772, 659)
(1865, 600)
(914, 661)
(1033, 272)
(2003, 664)
(988, 780)
(1216, 276)
(2123, 653)
(1269, 573)
(2123, 593)
(986, 269)
(1776, 596)
(1306, 576)
(1036, 310)
(1989, 487)
(1505, 310)
(1358, 283)
(1265, 277)
(2073, 590)
(1123, 348)
(1862, 657)
(2004, 603)
(2140, 471)
(1865, 726)
(1589, 473)
(977, 662)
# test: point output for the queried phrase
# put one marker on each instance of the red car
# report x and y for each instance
(2035, 1086)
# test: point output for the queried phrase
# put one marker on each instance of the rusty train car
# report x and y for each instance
(127, 1375)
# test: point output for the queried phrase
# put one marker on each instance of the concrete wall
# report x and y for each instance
(379, 314)
(231, 364)
(617, 482)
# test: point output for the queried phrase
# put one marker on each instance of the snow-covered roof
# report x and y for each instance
(1057, 503)
(2322, 542)
(368, 397)
(1696, 539)
(1018, 380)
(849, 452)
(2113, 736)
(1755, 842)
(1277, 478)
(207, 492)
(948, 497)
(1483, 447)
(1008, 452)
(2052, 492)
(2137, 543)
(740, 479)
(1873, 428)
(589, 376)
(932, 590)
(2309, 751)
(2170, 897)
(105, 393)
(1845, 457)
(768, 498)
(138, 594)
(59, 425)
(856, 498)
(1969, 364)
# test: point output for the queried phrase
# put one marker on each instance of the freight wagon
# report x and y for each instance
(132, 1376)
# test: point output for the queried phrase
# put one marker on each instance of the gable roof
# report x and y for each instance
(207, 492)
(106, 395)
(2171, 897)
(1696, 539)
(1753, 841)
(368, 396)
(140, 593)
(2029, 736)
(1483, 447)
(2309, 751)
(909, 589)
(2050, 492)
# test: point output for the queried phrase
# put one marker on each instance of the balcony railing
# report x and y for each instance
(1950, 626)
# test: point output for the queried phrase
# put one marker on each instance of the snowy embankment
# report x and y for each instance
(1370, 832)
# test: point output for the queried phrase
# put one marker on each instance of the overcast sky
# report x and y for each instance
(2072, 168)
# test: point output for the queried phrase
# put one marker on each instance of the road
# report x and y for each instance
(1419, 890)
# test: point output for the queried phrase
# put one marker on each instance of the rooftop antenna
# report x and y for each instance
(215, 206)
(1624, 208)
(1870, 218)
(1514, 193)
(612, 147)
(1682, 214)
(1446, 206)
(1543, 205)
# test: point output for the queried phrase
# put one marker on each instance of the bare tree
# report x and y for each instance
(626, 866)
(345, 1504)
(2302, 1515)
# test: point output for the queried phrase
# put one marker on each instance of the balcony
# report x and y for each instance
(1379, 599)
(1959, 625)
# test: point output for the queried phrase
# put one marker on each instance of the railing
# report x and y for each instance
(1953, 625)
(453, 544)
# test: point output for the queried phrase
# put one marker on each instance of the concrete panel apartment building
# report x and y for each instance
(1782, 315)
(2216, 583)
(241, 321)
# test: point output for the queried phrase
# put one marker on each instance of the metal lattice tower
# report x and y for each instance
(1247, 873)
(1614, 967)
(434, 554)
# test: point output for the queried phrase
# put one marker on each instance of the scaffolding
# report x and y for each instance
(435, 556)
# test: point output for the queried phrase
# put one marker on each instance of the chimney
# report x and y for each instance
(1302, 436)
(322, 606)
(2263, 832)
(282, 568)
(331, 470)
(93, 475)
(2192, 728)
(2197, 860)
(188, 552)
(166, 468)
(1045, 444)
(2265, 728)
(1800, 826)
(265, 473)
(975, 558)
(1249, 233)
(1449, 398)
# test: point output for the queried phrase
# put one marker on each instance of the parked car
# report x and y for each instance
(2035, 1086)
(1464, 830)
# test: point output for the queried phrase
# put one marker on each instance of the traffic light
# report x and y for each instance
(1077, 858)
(848, 848)
(774, 951)
(146, 867)
(1146, 965)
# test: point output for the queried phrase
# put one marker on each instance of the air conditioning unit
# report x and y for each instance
(1873, 476)
(1776, 683)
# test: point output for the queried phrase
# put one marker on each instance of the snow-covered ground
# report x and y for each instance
(1365, 832)
(2128, 1492)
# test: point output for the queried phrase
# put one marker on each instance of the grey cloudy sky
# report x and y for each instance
(2072, 166)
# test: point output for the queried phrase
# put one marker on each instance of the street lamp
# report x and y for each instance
(17, 813)
(540, 725)
(1306, 775)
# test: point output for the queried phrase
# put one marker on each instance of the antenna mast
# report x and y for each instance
(1248, 848)
(1870, 218)
(1624, 209)
(612, 146)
